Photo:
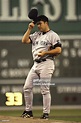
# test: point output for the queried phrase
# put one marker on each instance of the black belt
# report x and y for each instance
(39, 60)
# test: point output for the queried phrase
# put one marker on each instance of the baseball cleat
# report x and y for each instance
(45, 116)
(27, 114)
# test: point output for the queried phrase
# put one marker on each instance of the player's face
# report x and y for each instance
(42, 26)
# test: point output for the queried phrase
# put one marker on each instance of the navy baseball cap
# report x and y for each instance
(42, 18)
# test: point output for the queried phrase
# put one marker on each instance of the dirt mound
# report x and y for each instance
(9, 119)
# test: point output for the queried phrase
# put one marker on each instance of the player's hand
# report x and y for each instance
(41, 54)
(31, 25)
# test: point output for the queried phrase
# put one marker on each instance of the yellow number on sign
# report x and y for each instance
(10, 98)
(18, 98)
(13, 98)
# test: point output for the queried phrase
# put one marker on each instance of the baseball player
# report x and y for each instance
(45, 46)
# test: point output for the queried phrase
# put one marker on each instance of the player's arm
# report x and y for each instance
(53, 50)
(26, 36)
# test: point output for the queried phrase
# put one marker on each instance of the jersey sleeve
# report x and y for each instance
(33, 37)
(55, 40)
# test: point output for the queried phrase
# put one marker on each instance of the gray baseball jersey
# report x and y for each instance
(42, 42)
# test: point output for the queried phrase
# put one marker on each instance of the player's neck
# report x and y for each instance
(46, 31)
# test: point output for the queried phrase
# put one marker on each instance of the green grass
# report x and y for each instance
(67, 114)
(56, 114)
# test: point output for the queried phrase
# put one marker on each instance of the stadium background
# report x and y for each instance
(16, 60)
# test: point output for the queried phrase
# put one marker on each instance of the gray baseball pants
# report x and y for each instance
(39, 71)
